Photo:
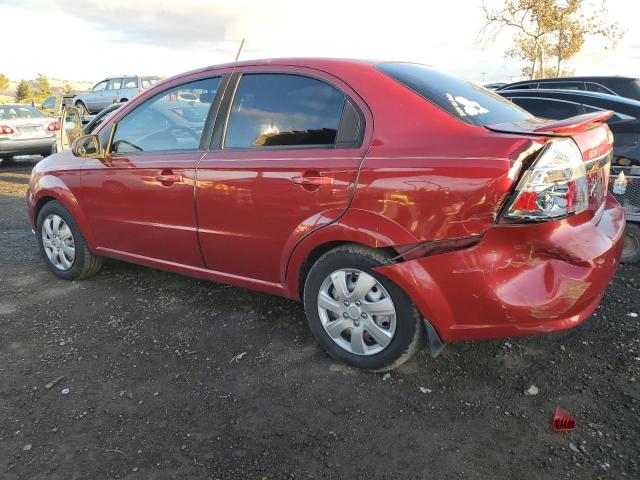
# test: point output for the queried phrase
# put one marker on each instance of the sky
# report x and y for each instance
(90, 39)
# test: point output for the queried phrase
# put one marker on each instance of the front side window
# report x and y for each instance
(550, 109)
(171, 120)
(100, 86)
(522, 86)
(271, 110)
(466, 101)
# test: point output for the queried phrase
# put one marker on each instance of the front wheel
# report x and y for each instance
(359, 316)
(631, 249)
(62, 245)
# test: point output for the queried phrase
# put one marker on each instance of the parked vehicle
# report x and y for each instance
(24, 130)
(77, 125)
(622, 86)
(494, 86)
(458, 216)
(110, 90)
(53, 105)
(625, 126)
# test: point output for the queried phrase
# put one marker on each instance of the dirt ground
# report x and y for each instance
(169, 377)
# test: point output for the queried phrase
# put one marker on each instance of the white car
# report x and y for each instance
(24, 130)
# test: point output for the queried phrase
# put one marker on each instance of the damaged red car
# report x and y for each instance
(402, 205)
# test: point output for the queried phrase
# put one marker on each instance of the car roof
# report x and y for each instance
(571, 93)
(579, 79)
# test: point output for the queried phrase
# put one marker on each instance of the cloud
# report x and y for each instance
(189, 23)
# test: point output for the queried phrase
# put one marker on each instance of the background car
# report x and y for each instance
(112, 89)
(71, 129)
(622, 86)
(24, 130)
(53, 105)
(625, 126)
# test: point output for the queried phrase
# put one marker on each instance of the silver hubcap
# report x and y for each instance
(58, 243)
(357, 312)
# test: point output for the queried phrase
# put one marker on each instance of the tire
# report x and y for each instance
(82, 109)
(84, 262)
(408, 328)
(631, 250)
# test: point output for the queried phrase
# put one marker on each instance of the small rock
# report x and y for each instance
(425, 390)
(574, 448)
(632, 314)
(386, 376)
(532, 390)
(27, 447)
(134, 469)
(65, 391)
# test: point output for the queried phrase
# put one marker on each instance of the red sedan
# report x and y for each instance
(399, 203)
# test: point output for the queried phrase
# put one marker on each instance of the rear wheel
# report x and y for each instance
(62, 245)
(359, 316)
(631, 249)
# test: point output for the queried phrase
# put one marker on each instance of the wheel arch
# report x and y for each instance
(356, 226)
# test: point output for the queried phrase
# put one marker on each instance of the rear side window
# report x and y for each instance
(550, 109)
(596, 87)
(470, 103)
(130, 82)
(271, 110)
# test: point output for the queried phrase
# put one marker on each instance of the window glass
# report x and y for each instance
(100, 86)
(115, 84)
(546, 108)
(595, 87)
(464, 100)
(8, 112)
(522, 86)
(130, 82)
(563, 85)
(280, 109)
(148, 81)
(49, 103)
(172, 120)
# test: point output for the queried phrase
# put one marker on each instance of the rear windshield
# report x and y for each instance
(8, 112)
(464, 100)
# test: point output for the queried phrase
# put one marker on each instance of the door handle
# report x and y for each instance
(313, 181)
(169, 179)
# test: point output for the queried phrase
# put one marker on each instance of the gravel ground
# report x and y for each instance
(165, 376)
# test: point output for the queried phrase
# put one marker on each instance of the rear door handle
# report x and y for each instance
(313, 181)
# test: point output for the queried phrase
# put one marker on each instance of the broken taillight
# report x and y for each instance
(554, 186)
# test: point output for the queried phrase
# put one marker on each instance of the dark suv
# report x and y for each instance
(621, 86)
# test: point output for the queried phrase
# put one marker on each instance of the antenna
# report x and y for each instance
(239, 49)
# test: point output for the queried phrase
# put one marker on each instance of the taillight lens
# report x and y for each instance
(6, 130)
(555, 185)
(54, 127)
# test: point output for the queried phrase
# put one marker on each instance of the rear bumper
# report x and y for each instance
(31, 146)
(519, 279)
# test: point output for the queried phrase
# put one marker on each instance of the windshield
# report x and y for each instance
(464, 100)
(8, 112)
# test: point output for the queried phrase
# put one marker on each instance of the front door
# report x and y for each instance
(141, 195)
(283, 162)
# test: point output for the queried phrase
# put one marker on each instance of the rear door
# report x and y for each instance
(283, 162)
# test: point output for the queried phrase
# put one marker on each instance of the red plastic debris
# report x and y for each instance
(562, 421)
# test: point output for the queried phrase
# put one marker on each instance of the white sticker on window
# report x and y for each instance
(465, 107)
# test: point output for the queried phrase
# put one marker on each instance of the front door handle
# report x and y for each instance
(313, 181)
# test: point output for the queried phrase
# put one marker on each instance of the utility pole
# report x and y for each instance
(483, 74)
(240, 49)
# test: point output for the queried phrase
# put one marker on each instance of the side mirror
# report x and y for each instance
(87, 146)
